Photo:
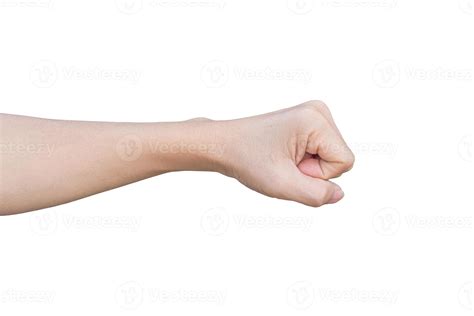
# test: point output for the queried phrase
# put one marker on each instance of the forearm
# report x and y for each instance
(288, 154)
(49, 162)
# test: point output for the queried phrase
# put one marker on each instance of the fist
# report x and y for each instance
(289, 154)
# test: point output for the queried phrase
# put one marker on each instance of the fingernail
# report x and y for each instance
(337, 196)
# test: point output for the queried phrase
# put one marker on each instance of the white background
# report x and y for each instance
(398, 77)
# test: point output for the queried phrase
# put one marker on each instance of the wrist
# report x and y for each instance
(194, 145)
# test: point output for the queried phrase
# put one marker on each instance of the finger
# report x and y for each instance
(324, 110)
(335, 156)
(330, 169)
(311, 191)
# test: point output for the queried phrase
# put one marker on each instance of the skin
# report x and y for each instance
(289, 154)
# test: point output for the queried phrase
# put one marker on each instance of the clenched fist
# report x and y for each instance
(289, 154)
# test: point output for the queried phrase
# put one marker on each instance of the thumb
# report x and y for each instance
(311, 191)
(312, 167)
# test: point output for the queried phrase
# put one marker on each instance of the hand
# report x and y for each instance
(289, 154)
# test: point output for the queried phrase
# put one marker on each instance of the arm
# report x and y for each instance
(288, 154)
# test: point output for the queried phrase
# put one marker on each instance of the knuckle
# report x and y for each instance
(317, 203)
(315, 105)
(319, 105)
(349, 161)
(310, 113)
(323, 196)
(314, 110)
